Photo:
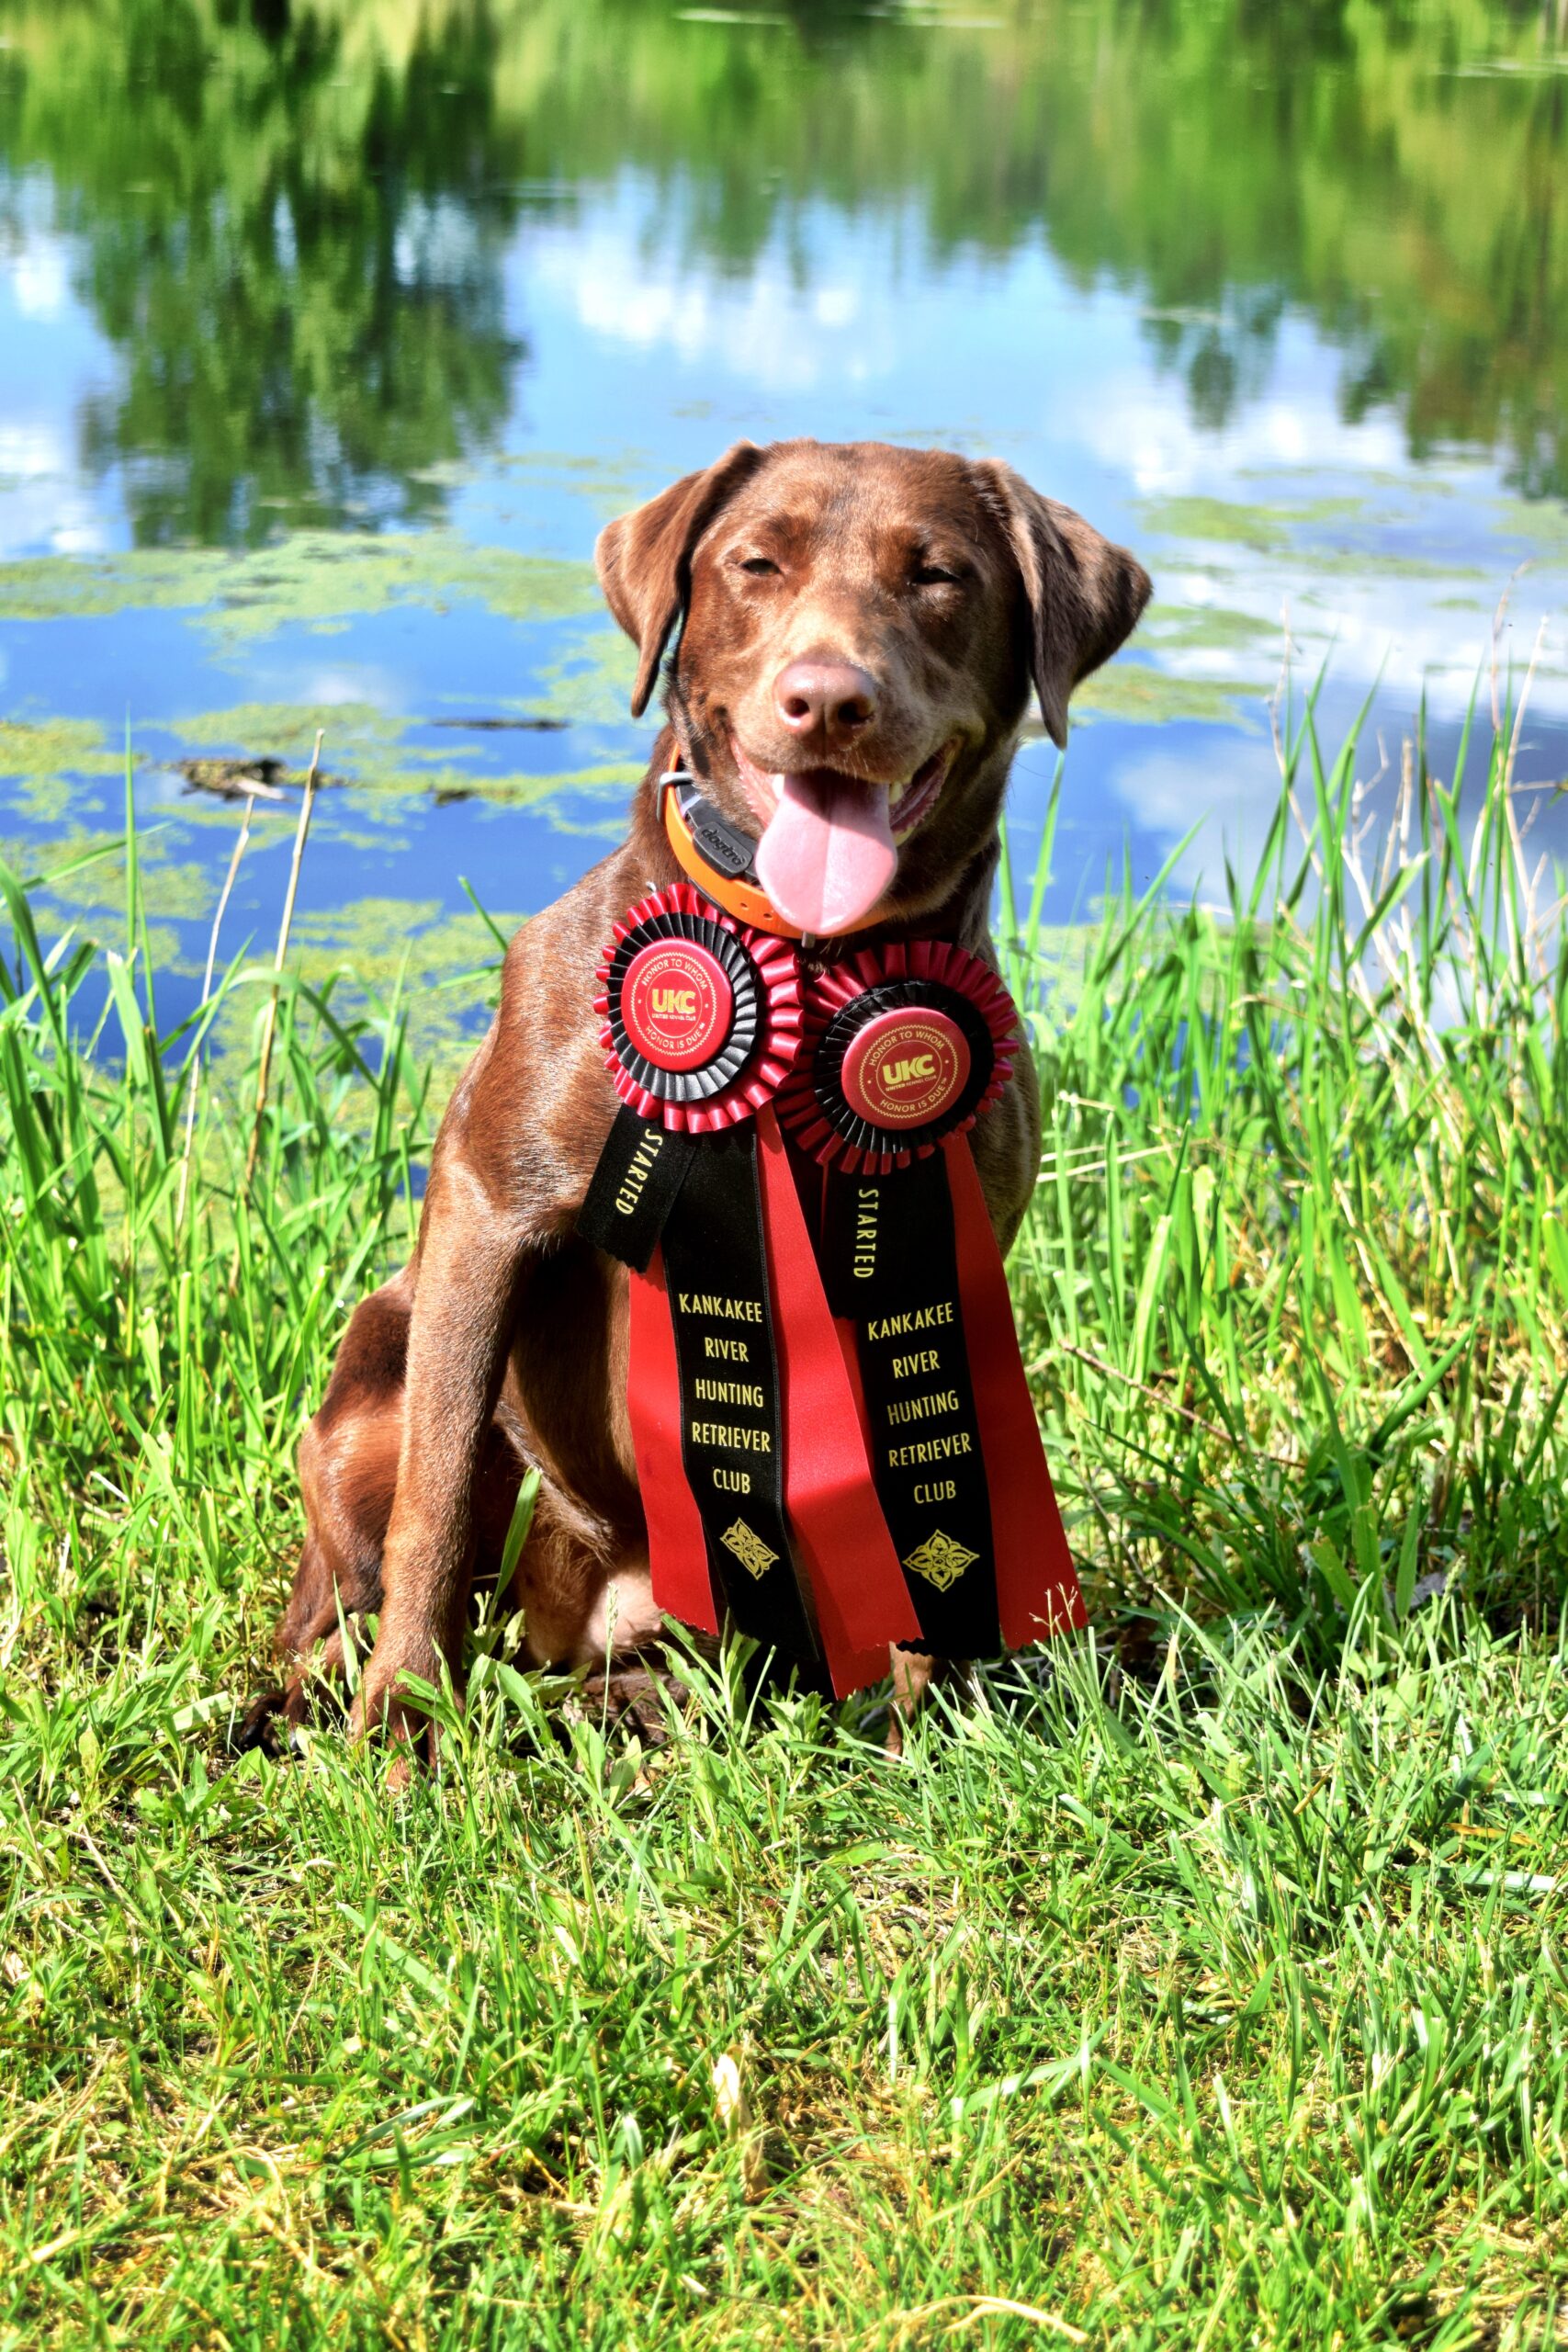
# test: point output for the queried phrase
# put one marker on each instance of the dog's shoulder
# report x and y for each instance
(548, 979)
(530, 1113)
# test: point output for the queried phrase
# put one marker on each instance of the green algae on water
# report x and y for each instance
(179, 889)
(310, 579)
(377, 753)
(592, 676)
(38, 757)
(442, 967)
(1135, 690)
(1207, 628)
(44, 746)
(1261, 529)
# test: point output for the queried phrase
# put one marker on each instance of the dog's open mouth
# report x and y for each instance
(829, 848)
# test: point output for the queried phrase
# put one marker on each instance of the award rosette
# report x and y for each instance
(701, 1018)
(834, 1436)
(906, 1046)
(749, 1454)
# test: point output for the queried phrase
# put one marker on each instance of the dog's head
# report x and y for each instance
(860, 629)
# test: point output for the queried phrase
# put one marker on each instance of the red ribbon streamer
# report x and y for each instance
(860, 1600)
(862, 1603)
(677, 1554)
(858, 1593)
(1037, 1586)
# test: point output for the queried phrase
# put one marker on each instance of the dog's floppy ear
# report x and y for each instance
(644, 560)
(1085, 595)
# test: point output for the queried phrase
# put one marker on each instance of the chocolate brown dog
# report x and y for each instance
(856, 631)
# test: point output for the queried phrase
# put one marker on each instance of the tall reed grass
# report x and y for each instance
(1293, 1285)
(1295, 1277)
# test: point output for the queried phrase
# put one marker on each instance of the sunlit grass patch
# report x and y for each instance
(1296, 1264)
(1107, 2002)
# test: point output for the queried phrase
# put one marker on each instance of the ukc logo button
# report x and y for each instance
(906, 1067)
(676, 1004)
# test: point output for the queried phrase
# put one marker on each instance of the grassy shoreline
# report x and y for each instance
(1197, 1987)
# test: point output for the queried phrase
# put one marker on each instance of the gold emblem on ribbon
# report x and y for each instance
(939, 1559)
(749, 1548)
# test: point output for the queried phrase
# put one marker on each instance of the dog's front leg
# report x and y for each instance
(471, 1262)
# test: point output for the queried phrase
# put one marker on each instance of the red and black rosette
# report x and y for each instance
(907, 1048)
(749, 1460)
(829, 1490)
(905, 1045)
(701, 1017)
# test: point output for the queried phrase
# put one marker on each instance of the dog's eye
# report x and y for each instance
(758, 565)
(932, 575)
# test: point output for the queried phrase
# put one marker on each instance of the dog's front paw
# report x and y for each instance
(387, 1704)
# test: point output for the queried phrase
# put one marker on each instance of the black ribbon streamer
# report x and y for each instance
(637, 1183)
(699, 1199)
(890, 1266)
(716, 1272)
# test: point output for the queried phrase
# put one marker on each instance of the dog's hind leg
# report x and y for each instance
(348, 1476)
(348, 1471)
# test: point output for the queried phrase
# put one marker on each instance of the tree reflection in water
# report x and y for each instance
(293, 215)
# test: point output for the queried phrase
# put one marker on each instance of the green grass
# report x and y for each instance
(1198, 1986)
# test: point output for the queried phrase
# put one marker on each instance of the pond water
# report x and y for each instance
(332, 331)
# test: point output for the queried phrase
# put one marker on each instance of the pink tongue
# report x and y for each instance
(828, 855)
